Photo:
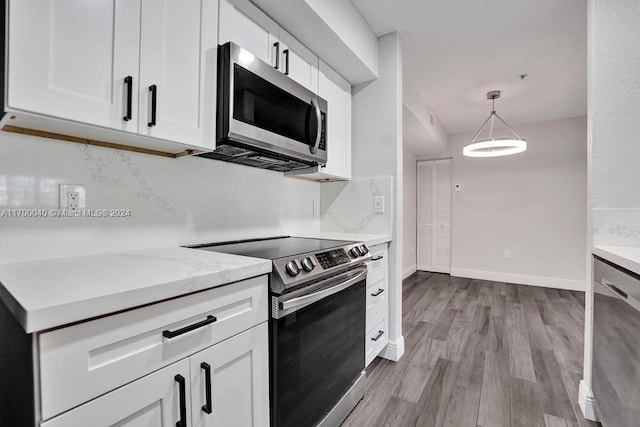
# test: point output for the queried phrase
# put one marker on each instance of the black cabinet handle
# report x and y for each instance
(128, 81)
(207, 387)
(375, 294)
(377, 258)
(183, 401)
(172, 334)
(377, 337)
(153, 89)
(277, 46)
(286, 62)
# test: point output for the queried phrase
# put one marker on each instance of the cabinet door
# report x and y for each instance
(70, 58)
(298, 62)
(238, 369)
(337, 92)
(245, 25)
(434, 215)
(154, 400)
(178, 70)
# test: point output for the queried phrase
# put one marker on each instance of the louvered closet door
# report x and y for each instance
(434, 216)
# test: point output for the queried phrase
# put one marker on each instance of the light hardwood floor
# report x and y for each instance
(480, 353)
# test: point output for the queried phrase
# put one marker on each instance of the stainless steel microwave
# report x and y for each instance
(264, 118)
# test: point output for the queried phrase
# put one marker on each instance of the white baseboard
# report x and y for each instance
(587, 402)
(521, 279)
(409, 271)
(394, 350)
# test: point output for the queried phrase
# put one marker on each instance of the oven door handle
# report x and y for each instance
(304, 300)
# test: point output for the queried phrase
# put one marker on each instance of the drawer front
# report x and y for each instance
(83, 361)
(377, 336)
(379, 257)
(377, 291)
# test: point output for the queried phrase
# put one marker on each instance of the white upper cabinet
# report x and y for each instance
(337, 92)
(178, 70)
(70, 59)
(298, 62)
(94, 62)
(245, 25)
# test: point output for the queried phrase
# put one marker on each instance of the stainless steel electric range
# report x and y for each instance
(317, 326)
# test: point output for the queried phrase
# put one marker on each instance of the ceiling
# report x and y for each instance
(454, 51)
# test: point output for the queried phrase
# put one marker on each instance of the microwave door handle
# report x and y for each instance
(319, 133)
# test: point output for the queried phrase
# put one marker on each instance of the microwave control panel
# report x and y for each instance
(332, 258)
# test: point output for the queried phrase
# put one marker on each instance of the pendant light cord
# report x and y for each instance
(491, 118)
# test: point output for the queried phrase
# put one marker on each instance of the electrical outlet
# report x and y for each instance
(73, 200)
(378, 204)
(507, 254)
(72, 197)
(316, 208)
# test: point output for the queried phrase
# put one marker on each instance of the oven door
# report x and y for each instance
(317, 348)
(264, 108)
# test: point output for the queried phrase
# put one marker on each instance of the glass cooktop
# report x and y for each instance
(272, 248)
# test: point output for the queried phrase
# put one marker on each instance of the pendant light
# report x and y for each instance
(493, 147)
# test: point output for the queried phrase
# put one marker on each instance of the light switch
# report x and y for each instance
(378, 204)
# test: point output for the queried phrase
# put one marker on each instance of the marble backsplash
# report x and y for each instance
(170, 201)
(348, 207)
(616, 227)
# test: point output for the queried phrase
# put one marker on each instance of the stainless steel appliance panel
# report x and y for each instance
(616, 345)
(264, 118)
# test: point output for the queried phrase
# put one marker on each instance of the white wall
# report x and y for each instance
(377, 152)
(533, 204)
(614, 88)
(172, 201)
(409, 214)
(614, 132)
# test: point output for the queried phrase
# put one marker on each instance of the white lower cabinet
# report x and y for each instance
(233, 374)
(377, 329)
(197, 360)
(153, 400)
(236, 374)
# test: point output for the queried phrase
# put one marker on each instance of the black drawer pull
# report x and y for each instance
(172, 334)
(183, 401)
(277, 46)
(375, 294)
(286, 63)
(153, 89)
(377, 337)
(207, 387)
(128, 81)
(377, 258)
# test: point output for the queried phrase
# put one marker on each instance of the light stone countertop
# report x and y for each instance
(50, 293)
(368, 239)
(626, 257)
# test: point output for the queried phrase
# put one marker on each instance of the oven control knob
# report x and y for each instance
(307, 264)
(364, 249)
(292, 268)
(355, 252)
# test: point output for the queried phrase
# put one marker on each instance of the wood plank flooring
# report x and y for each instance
(480, 353)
